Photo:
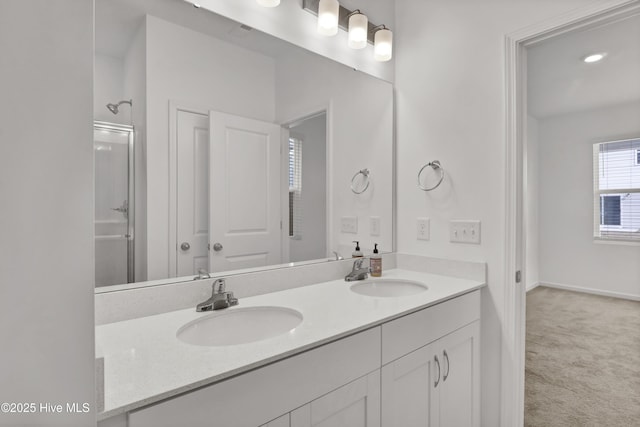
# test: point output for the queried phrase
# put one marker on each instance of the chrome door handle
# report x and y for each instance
(217, 247)
(435, 358)
(185, 246)
(446, 356)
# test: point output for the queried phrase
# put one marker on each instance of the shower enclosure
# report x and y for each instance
(113, 154)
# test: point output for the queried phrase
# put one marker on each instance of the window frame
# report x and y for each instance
(597, 193)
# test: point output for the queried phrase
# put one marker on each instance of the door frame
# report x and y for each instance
(174, 108)
(325, 109)
(513, 330)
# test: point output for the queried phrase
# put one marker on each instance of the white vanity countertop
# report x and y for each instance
(144, 362)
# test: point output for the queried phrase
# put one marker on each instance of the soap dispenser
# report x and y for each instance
(357, 253)
(376, 262)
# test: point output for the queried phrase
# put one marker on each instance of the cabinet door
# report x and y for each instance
(409, 389)
(356, 404)
(460, 386)
(282, 421)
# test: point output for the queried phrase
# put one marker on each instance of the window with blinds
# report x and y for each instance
(295, 187)
(616, 190)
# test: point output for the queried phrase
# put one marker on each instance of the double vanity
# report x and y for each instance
(399, 350)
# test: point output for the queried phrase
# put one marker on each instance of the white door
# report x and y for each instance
(192, 228)
(356, 404)
(460, 388)
(244, 202)
(409, 395)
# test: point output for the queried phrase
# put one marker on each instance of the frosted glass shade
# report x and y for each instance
(328, 11)
(268, 3)
(383, 45)
(358, 29)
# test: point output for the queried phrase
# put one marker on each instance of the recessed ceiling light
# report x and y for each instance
(590, 59)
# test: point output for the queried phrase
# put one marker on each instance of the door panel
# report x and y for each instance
(356, 404)
(459, 391)
(245, 192)
(192, 193)
(408, 393)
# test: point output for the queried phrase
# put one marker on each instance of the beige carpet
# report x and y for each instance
(582, 360)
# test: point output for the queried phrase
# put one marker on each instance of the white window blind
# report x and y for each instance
(295, 187)
(616, 190)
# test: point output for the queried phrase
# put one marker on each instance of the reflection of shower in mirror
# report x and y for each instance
(114, 108)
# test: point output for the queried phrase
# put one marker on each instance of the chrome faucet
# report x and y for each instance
(202, 274)
(219, 299)
(358, 272)
(338, 256)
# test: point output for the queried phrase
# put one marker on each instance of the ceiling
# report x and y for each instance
(117, 21)
(560, 82)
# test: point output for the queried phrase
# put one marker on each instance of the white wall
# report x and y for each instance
(292, 23)
(187, 67)
(360, 136)
(532, 203)
(312, 243)
(568, 253)
(46, 224)
(450, 82)
(109, 88)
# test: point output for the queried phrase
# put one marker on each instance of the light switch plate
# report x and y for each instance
(464, 231)
(374, 225)
(349, 224)
(423, 230)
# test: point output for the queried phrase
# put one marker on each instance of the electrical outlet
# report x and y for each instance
(374, 225)
(464, 231)
(423, 231)
(349, 224)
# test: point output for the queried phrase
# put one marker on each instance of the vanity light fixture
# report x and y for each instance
(358, 29)
(268, 3)
(328, 14)
(383, 44)
(595, 57)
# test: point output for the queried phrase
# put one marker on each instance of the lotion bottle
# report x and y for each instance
(376, 262)
(357, 253)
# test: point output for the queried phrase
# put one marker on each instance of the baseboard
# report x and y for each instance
(532, 286)
(590, 291)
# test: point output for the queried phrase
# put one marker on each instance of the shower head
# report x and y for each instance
(115, 107)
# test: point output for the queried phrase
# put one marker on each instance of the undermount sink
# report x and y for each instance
(240, 326)
(388, 288)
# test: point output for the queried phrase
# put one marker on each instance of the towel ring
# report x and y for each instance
(436, 166)
(365, 174)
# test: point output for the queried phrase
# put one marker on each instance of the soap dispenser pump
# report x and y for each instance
(357, 253)
(376, 262)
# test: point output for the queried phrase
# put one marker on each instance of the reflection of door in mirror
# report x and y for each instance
(113, 169)
(228, 215)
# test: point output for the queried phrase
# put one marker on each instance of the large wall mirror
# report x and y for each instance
(219, 148)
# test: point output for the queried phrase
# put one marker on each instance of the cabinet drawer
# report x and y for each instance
(256, 397)
(408, 333)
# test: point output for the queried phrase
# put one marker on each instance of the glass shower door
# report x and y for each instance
(114, 216)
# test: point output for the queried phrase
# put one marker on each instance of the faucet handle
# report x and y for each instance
(357, 264)
(231, 300)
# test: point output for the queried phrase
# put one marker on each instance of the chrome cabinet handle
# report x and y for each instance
(435, 358)
(217, 247)
(185, 246)
(446, 356)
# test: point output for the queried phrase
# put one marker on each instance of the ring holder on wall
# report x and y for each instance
(360, 181)
(437, 167)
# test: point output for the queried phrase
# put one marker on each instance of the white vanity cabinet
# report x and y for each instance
(354, 405)
(436, 385)
(421, 369)
(431, 372)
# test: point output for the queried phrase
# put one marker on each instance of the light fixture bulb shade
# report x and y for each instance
(328, 13)
(383, 45)
(358, 30)
(268, 3)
